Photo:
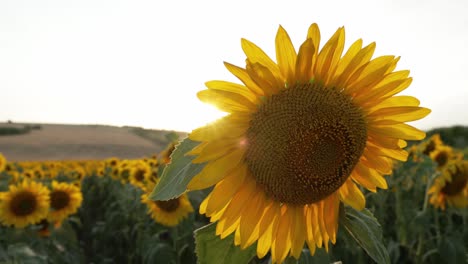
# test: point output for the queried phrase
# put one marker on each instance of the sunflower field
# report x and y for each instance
(99, 212)
(313, 163)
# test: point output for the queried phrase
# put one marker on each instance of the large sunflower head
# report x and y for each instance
(24, 204)
(300, 133)
(168, 213)
(451, 187)
(65, 199)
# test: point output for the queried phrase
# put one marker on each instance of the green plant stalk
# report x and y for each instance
(424, 209)
(175, 238)
(402, 234)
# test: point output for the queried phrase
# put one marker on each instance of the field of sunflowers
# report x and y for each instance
(313, 163)
(98, 211)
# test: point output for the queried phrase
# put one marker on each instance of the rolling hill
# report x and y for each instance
(80, 142)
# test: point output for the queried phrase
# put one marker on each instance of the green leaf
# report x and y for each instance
(177, 174)
(210, 248)
(367, 232)
(447, 250)
(161, 253)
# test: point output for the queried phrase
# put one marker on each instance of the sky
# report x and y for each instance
(141, 63)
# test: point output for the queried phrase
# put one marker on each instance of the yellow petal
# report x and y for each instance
(244, 77)
(216, 149)
(316, 224)
(348, 68)
(390, 85)
(216, 170)
(314, 34)
(309, 223)
(282, 242)
(402, 131)
(231, 126)
(304, 61)
(232, 213)
(397, 154)
(379, 163)
(225, 189)
(331, 212)
(383, 141)
(270, 221)
(285, 55)
(321, 221)
(352, 196)
(401, 114)
(329, 55)
(256, 55)
(204, 204)
(369, 74)
(226, 101)
(299, 231)
(264, 78)
(232, 88)
(252, 211)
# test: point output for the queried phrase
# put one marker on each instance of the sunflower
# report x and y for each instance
(24, 204)
(140, 174)
(65, 199)
(432, 144)
(168, 213)
(299, 136)
(451, 187)
(442, 155)
(112, 162)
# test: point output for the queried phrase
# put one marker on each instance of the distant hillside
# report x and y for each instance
(81, 142)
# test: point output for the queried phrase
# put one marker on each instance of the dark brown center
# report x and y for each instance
(429, 147)
(23, 203)
(59, 200)
(441, 158)
(139, 175)
(169, 205)
(458, 183)
(304, 142)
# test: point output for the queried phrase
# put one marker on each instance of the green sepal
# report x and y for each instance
(210, 248)
(366, 230)
(177, 174)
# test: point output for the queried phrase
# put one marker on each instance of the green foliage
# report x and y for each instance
(113, 215)
(27, 246)
(177, 175)
(367, 232)
(9, 131)
(455, 136)
(210, 248)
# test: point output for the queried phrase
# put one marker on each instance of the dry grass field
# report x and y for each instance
(80, 142)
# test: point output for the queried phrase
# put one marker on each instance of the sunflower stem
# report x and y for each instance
(424, 209)
(175, 237)
(436, 217)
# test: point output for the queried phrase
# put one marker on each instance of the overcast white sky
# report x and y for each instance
(141, 63)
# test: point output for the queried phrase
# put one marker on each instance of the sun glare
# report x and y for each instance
(201, 115)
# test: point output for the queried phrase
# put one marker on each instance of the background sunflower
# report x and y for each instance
(24, 204)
